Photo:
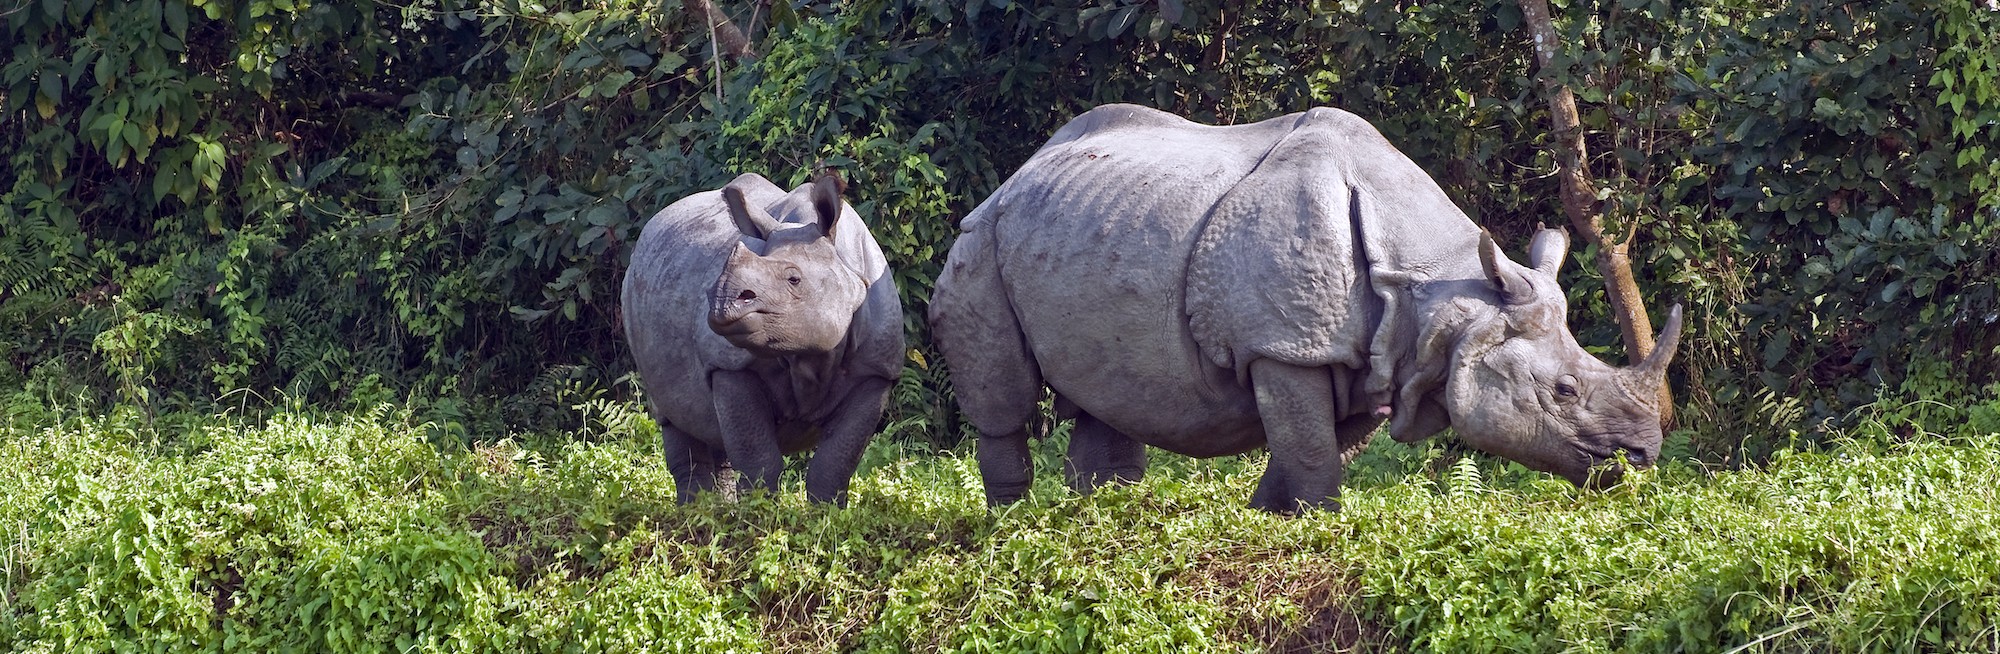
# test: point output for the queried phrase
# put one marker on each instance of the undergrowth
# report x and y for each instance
(362, 531)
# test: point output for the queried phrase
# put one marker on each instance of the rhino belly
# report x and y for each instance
(1139, 372)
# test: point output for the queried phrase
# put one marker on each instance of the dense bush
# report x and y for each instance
(313, 532)
(434, 200)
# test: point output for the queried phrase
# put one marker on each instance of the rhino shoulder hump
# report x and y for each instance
(1115, 117)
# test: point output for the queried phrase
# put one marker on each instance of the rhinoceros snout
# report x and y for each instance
(731, 310)
(1598, 463)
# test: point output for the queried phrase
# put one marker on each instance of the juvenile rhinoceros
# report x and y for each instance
(1291, 283)
(763, 323)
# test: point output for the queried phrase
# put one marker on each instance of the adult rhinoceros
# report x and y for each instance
(763, 323)
(1291, 283)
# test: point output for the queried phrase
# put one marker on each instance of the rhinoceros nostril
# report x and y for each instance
(747, 295)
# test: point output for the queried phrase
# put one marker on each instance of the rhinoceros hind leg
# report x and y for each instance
(1099, 454)
(1296, 405)
(998, 385)
(694, 464)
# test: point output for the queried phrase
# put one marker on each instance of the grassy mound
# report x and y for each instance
(355, 532)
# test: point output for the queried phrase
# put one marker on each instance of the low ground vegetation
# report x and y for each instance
(307, 531)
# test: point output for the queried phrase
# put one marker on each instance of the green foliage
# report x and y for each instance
(1872, 240)
(136, 349)
(306, 532)
(291, 199)
(303, 197)
(1855, 550)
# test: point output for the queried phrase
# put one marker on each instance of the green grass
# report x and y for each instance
(355, 533)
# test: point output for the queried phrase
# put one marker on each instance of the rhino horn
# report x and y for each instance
(1547, 250)
(1655, 364)
(753, 221)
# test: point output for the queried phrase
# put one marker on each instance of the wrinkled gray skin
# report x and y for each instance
(758, 336)
(1291, 283)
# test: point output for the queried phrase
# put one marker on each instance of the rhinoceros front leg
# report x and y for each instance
(1296, 405)
(842, 439)
(692, 462)
(1274, 495)
(749, 429)
(1005, 466)
(1099, 454)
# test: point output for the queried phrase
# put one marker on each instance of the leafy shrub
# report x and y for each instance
(318, 533)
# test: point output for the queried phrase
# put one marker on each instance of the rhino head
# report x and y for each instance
(796, 295)
(1522, 388)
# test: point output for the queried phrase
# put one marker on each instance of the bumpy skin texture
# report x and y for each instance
(814, 334)
(1291, 283)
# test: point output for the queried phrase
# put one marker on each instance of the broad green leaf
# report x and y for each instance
(176, 17)
(51, 84)
(1120, 20)
(606, 214)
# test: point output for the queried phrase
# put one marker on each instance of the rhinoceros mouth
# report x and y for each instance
(1601, 454)
(739, 327)
(745, 331)
(1601, 466)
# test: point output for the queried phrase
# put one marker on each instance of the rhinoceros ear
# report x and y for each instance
(1513, 288)
(753, 221)
(1547, 251)
(826, 200)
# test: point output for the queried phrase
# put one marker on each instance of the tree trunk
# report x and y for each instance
(1579, 200)
(728, 39)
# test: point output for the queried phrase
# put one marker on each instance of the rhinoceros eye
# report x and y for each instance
(1566, 387)
(794, 279)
